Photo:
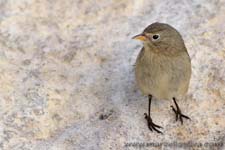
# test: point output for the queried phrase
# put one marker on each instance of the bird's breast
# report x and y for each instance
(161, 76)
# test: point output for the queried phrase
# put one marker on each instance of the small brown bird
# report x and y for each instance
(163, 67)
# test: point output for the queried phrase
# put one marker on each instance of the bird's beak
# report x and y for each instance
(140, 37)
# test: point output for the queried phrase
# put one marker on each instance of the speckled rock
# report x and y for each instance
(67, 75)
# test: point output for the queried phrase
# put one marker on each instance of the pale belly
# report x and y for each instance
(163, 80)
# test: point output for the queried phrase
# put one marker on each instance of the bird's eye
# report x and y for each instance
(155, 37)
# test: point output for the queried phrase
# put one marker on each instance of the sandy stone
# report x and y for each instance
(67, 74)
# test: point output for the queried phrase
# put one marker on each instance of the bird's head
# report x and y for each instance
(161, 38)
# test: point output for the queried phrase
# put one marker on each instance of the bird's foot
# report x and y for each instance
(152, 126)
(179, 115)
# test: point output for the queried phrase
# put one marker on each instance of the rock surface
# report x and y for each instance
(67, 78)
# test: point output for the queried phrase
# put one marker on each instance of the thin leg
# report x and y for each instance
(178, 113)
(152, 126)
(149, 104)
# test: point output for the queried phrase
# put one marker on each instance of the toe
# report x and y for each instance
(150, 127)
(185, 116)
(174, 110)
(154, 128)
(157, 126)
(181, 119)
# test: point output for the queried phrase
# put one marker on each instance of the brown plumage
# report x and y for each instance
(163, 66)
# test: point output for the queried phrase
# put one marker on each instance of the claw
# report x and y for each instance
(179, 114)
(185, 116)
(156, 130)
(152, 126)
(149, 127)
(157, 125)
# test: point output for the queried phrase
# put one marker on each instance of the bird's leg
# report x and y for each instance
(152, 126)
(178, 113)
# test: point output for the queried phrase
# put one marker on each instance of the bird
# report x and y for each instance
(162, 68)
